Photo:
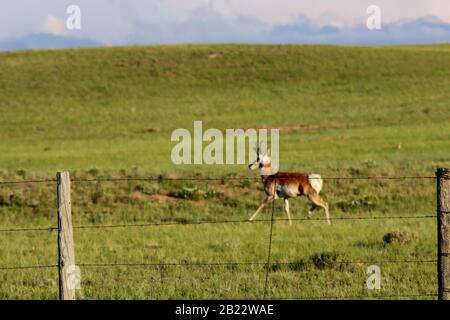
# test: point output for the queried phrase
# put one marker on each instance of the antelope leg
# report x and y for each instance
(261, 205)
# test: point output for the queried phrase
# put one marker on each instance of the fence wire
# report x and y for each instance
(361, 297)
(187, 223)
(161, 179)
(267, 264)
(221, 264)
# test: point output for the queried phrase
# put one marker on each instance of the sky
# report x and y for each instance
(43, 24)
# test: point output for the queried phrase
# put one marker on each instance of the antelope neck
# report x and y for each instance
(266, 171)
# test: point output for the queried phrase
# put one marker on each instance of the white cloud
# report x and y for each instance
(336, 12)
(121, 22)
(54, 25)
(201, 25)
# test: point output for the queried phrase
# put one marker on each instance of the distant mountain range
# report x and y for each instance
(46, 41)
(210, 27)
(428, 29)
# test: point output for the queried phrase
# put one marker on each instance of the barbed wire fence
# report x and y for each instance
(442, 260)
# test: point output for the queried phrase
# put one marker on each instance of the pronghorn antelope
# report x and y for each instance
(288, 185)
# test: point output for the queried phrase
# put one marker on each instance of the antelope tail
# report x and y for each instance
(315, 181)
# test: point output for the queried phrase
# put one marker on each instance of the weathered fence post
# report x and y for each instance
(443, 213)
(66, 252)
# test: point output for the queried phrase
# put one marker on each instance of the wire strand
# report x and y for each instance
(210, 179)
(249, 178)
(375, 297)
(29, 267)
(266, 264)
(27, 181)
(185, 223)
(29, 229)
(244, 263)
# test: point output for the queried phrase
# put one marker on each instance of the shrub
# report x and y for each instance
(299, 265)
(96, 196)
(195, 194)
(325, 260)
(399, 236)
(93, 172)
(231, 202)
(17, 200)
(22, 173)
(4, 200)
(246, 184)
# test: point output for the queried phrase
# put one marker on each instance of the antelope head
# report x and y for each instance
(262, 160)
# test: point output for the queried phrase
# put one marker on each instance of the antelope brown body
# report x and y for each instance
(288, 185)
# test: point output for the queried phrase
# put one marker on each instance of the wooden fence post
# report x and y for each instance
(443, 213)
(66, 252)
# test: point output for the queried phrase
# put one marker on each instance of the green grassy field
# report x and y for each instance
(110, 113)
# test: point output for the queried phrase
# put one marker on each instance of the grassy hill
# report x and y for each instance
(350, 111)
(115, 108)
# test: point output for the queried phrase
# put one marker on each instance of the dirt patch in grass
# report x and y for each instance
(313, 127)
(161, 199)
(215, 55)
